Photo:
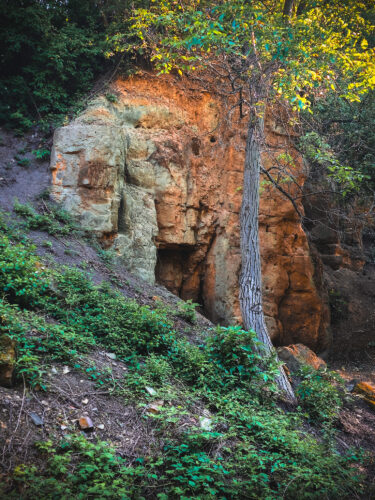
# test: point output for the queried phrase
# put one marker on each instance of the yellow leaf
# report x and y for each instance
(364, 44)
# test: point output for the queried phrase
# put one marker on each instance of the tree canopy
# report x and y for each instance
(320, 46)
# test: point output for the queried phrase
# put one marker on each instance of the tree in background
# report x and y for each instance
(265, 51)
(51, 54)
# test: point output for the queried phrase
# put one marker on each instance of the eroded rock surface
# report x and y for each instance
(158, 176)
(297, 355)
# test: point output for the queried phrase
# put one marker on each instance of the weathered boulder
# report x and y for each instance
(294, 356)
(7, 360)
(158, 175)
(368, 391)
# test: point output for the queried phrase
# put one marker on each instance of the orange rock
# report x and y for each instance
(298, 354)
(368, 391)
(181, 193)
(85, 424)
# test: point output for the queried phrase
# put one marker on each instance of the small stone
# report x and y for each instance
(66, 370)
(111, 355)
(155, 407)
(350, 386)
(205, 423)
(63, 427)
(54, 371)
(37, 420)
(85, 401)
(100, 426)
(85, 424)
(150, 390)
(44, 403)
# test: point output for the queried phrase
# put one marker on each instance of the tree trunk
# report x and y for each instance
(250, 278)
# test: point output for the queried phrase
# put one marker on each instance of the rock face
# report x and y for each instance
(158, 176)
(342, 241)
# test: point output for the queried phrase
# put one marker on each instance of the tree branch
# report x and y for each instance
(277, 186)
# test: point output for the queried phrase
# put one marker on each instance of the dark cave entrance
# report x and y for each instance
(176, 271)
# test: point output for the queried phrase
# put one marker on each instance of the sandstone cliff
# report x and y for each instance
(158, 173)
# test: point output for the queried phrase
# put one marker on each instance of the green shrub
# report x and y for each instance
(22, 277)
(251, 449)
(19, 122)
(76, 468)
(41, 154)
(157, 369)
(186, 310)
(56, 222)
(111, 98)
(47, 342)
(338, 306)
(239, 358)
(321, 394)
(22, 162)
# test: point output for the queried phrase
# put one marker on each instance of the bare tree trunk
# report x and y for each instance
(250, 278)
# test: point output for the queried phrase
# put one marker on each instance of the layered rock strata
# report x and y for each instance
(158, 174)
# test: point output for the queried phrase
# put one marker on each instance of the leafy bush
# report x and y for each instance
(22, 162)
(41, 154)
(252, 450)
(239, 357)
(56, 221)
(319, 152)
(348, 129)
(18, 122)
(111, 98)
(76, 468)
(157, 369)
(51, 55)
(321, 394)
(22, 277)
(186, 310)
(47, 342)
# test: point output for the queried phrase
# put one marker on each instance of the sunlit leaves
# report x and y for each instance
(306, 53)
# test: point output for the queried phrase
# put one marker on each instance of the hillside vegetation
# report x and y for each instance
(209, 401)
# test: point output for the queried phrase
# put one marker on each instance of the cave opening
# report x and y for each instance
(175, 270)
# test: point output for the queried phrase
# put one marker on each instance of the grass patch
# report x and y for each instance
(54, 220)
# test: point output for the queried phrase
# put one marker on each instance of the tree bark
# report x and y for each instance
(250, 278)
